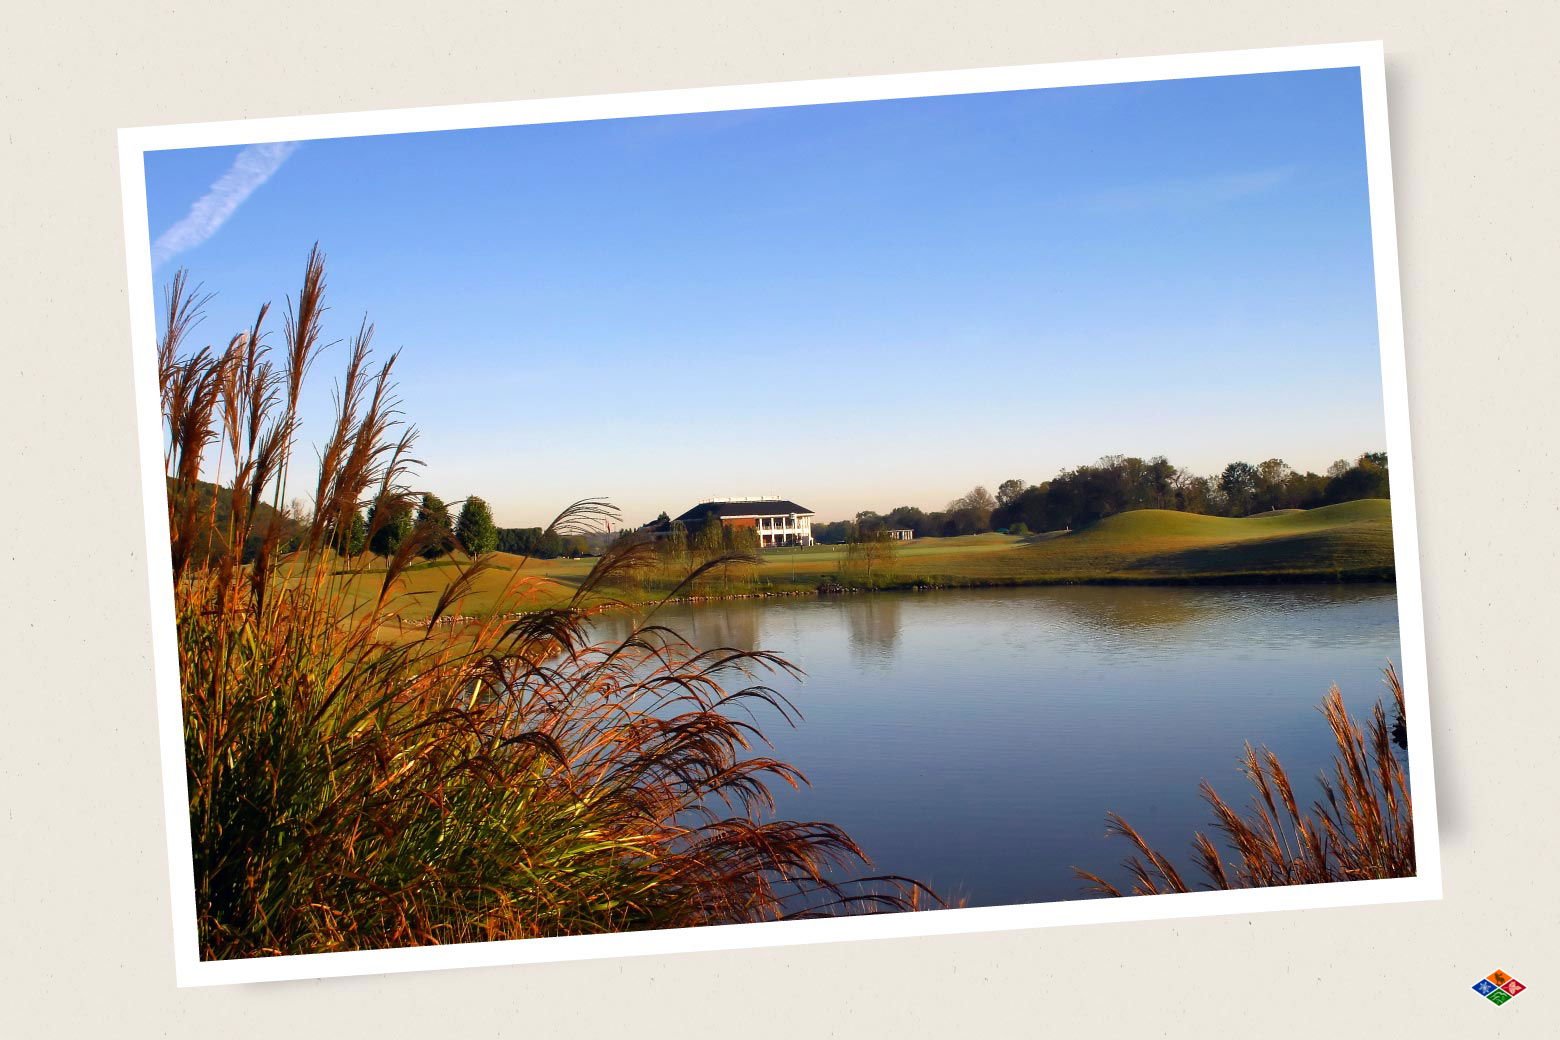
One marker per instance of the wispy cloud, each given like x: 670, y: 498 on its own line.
x: 1188, y: 192
x: 253, y: 167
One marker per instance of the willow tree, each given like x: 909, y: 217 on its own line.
x: 868, y: 553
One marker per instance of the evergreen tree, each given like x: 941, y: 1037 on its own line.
x: 392, y: 531
x: 433, y: 523
x: 357, y: 534
x: 348, y: 539
x: 475, y: 529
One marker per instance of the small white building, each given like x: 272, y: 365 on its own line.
x: 901, y: 534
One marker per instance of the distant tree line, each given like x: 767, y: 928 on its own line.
x: 1117, y: 483
x: 473, y: 531
x: 439, y: 534
x: 541, y: 543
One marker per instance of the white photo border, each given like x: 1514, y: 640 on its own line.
x: 1368, y: 57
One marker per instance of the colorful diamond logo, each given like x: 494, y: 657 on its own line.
x: 1497, y: 987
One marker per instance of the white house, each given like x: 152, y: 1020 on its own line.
x: 778, y: 521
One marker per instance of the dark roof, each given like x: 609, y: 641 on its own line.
x: 768, y: 507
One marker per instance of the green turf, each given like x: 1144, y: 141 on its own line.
x: 1352, y: 539
x: 1349, y: 541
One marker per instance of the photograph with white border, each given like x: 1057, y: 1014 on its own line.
x: 776, y: 514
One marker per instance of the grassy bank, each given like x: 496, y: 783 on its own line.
x: 1351, y: 541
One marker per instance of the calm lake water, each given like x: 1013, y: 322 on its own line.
x: 975, y: 739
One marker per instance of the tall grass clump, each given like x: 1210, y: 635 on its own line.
x: 358, y: 782
x: 1361, y: 828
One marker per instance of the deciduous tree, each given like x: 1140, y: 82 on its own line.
x: 1272, y: 484
x: 868, y: 553
x: 1009, y: 490
x: 1238, y: 482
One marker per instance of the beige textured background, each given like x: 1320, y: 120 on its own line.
x: 83, y: 895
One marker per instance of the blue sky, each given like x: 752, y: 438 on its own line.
x: 856, y: 306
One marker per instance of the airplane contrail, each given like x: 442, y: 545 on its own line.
x: 251, y: 168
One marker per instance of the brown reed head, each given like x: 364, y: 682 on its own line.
x: 1360, y: 828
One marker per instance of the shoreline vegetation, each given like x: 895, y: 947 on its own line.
x: 509, y: 780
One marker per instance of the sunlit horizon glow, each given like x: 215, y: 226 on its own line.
x: 854, y: 306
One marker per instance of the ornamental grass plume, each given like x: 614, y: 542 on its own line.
x: 358, y: 783
x: 1361, y: 828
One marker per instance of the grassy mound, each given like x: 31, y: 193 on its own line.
x: 1167, y: 523
x: 1348, y: 540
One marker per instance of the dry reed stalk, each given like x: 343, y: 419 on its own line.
x: 506, y: 779
x: 1361, y: 828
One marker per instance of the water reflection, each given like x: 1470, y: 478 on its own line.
x: 1115, y: 609
x: 1166, y: 612
x: 874, y: 623
x: 734, y: 623
x: 975, y: 739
